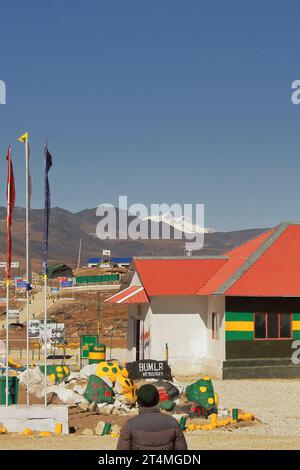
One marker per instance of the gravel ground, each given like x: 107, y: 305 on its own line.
x: 275, y: 403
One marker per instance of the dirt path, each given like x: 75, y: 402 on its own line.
x: 275, y: 403
x: 35, y: 308
x: 201, y: 441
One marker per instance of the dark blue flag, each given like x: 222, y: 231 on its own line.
x: 48, y: 164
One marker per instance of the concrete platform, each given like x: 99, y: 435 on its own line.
x: 260, y: 368
x: 36, y: 417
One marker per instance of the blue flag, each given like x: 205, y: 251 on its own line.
x: 48, y: 165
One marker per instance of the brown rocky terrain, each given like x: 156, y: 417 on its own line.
x: 67, y: 228
x: 80, y: 316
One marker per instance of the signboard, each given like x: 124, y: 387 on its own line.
x: 55, y: 332
x: 68, y: 283
x: 105, y: 258
x: 55, y: 290
x: 149, y: 369
x: 13, y: 314
x: 13, y: 264
x: 34, y: 329
x: 20, y: 283
x: 85, y: 342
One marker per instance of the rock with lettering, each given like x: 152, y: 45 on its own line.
x: 149, y: 369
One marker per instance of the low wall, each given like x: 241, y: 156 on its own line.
x: 36, y: 417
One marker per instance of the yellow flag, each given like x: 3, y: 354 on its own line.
x: 24, y: 137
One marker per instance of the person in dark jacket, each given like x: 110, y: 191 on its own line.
x: 151, y: 429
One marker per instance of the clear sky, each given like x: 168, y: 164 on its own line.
x: 163, y: 100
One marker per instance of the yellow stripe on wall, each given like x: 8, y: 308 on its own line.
x: 296, y: 325
x: 239, y: 326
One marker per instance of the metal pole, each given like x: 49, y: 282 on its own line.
x: 27, y: 265
x: 98, y: 310
x: 7, y: 338
x: 79, y: 255
x: 45, y: 337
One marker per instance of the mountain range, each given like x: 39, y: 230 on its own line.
x: 67, y: 228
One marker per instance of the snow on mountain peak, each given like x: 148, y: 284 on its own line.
x: 183, y: 224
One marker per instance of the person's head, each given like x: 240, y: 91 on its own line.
x: 147, y: 396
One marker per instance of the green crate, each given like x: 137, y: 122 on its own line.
x: 87, y: 341
x: 13, y: 390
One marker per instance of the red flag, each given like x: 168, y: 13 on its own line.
x: 10, y: 203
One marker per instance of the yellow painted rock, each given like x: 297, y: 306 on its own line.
x: 27, y: 432
x: 45, y: 434
x: 246, y: 417
x: 13, y: 363
x: 214, y: 419
x: 110, y: 370
x: 125, y: 389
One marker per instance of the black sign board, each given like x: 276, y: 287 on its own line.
x: 149, y: 369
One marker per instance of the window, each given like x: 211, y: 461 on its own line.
x: 215, y: 325
x: 272, y: 325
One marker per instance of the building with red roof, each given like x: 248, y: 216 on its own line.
x: 236, y: 315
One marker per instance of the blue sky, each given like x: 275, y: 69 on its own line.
x: 162, y: 100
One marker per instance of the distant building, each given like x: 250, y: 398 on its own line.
x: 120, y: 262
x: 94, y: 262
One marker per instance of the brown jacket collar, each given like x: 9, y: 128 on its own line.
x: 150, y: 409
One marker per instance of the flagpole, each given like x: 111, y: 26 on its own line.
x: 7, y: 339
x: 45, y: 255
x: 27, y: 265
x: 45, y: 276
x: 10, y: 202
x: 7, y: 279
x: 48, y: 164
x: 45, y: 337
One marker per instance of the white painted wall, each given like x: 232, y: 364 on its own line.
x: 213, y: 363
x: 180, y: 322
x: 185, y: 323
x: 135, y: 281
x: 141, y: 313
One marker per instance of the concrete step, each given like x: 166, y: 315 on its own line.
x: 257, y: 362
x: 262, y: 372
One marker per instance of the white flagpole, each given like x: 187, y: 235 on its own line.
x: 7, y: 285
x: 27, y: 264
x: 45, y: 337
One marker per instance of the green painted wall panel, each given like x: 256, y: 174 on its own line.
x: 239, y: 335
x: 296, y: 335
x: 296, y: 316
x: 238, y: 316
x: 97, y: 279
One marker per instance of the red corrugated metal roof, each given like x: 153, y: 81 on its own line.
x: 175, y: 276
x: 276, y: 272
x: 131, y: 295
x: 237, y: 257
x: 268, y: 265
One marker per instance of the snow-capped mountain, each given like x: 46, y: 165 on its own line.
x: 183, y: 224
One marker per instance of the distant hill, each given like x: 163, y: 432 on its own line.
x: 67, y: 228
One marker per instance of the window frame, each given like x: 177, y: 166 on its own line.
x: 215, y: 332
x: 266, y: 321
